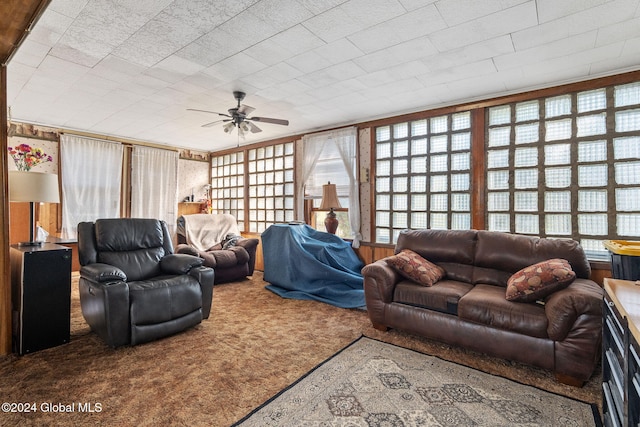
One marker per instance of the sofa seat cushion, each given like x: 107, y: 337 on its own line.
x: 442, y: 296
x: 486, y: 305
x: 163, y: 299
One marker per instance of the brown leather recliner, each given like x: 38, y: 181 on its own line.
x: 468, y: 307
x: 216, y: 239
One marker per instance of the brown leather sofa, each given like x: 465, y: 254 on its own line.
x: 468, y: 307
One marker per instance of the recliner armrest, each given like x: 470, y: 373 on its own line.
x: 101, y: 273
x: 179, y: 263
x: 205, y: 276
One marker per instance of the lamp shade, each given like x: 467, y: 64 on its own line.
x: 33, y: 187
x: 329, y: 197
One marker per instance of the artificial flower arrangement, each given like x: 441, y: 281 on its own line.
x: 25, y: 157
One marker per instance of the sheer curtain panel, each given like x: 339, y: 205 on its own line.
x: 154, y: 184
x: 91, y: 180
x: 331, y: 157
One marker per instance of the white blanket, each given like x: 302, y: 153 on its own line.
x: 203, y: 231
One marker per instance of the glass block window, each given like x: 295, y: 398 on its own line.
x: 270, y: 173
x: 227, y: 185
x: 567, y: 167
x: 423, y: 175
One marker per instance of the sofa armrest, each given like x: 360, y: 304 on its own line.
x: 205, y: 276
x: 564, y: 307
x: 102, y: 273
x: 380, y: 280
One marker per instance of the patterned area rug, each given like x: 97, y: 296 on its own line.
x: 371, y: 383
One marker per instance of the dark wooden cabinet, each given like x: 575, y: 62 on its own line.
x: 621, y: 353
x: 40, y: 296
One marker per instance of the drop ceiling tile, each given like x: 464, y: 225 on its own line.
x: 309, y: 62
x: 205, y: 81
x: 203, y: 16
x: 31, y: 53
x: 70, y: 8
x: 460, y: 72
x: 117, y: 69
x: 95, y: 85
x: 332, y: 25
x: 317, y: 7
x: 556, y: 49
x: 619, y: 31
x: 268, y: 52
x: 488, y: 27
x: 332, y: 74
x: 339, y: 51
x: 298, y: 39
x: 398, y: 54
x: 456, y: 12
x: 548, y: 10
x: 501, y: 45
x: 414, y: 24
x: 416, y: 4
x: 248, y: 29
x: 51, y: 26
x: 173, y: 69
x: 234, y: 67
x: 81, y: 50
x: 280, y: 14
x: 377, y: 11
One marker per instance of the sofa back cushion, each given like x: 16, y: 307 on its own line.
x: 499, y: 255
x: 453, y: 250
x: 489, y: 257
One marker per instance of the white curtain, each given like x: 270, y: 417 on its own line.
x: 345, y: 142
x: 154, y: 184
x: 91, y: 180
x: 312, y: 147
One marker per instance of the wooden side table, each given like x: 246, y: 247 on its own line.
x: 40, y: 296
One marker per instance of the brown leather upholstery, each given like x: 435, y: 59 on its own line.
x: 468, y: 307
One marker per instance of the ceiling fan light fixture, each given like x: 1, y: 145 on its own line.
x: 244, y: 126
x: 228, y: 127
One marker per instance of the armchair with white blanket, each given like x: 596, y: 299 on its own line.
x: 216, y: 238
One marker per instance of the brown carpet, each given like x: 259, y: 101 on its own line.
x: 253, y: 345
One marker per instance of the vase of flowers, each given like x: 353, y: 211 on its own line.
x: 25, y: 157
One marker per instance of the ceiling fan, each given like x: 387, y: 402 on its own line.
x: 238, y: 117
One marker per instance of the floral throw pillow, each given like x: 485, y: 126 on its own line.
x: 539, y: 280
x: 414, y: 267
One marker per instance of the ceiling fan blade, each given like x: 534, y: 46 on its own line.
x: 206, y: 111
x: 245, y: 109
x: 253, y: 128
x: 269, y: 120
x: 208, y: 125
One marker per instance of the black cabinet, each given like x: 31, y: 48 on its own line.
x: 41, y: 296
x: 620, y: 354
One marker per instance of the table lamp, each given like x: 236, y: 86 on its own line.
x: 330, y: 201
x: 33, y: 187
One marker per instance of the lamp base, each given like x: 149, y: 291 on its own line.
x: 30, y: 243
x: 331, y: 222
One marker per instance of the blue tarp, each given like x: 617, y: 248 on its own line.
x: 302, y: 263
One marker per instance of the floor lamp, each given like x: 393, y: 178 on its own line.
x: 330, y: 201
x: 33, y: 187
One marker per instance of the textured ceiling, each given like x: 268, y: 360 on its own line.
x: 131, y: 68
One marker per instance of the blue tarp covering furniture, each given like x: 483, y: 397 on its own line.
x: 302, y: 263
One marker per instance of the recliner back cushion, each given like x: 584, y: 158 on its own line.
x: 128, y: 234
x: 134, y: 245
